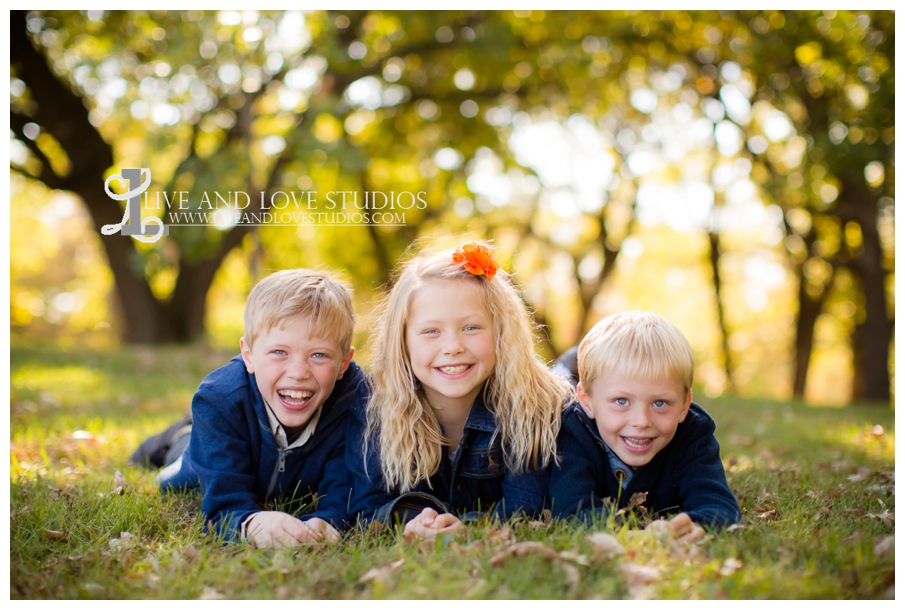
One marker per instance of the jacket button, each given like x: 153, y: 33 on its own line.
x: 493, y: 468
x: 620, y: 474
x: 461, y: 487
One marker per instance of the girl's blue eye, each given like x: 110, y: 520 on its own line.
x: 472, y: 327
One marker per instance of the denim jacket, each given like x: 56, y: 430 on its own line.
x: 685, y: 476
x: 475, y: 482
x: 236, y: 459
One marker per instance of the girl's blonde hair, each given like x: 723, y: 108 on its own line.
x: 525, y: 396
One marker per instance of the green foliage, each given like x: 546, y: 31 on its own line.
x: 816, y: 487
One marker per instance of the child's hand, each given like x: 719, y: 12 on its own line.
x: 687, y: 531
x: 275, y: 529
x: 321, y: 531
x: 429, y: 524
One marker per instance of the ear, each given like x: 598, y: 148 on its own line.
x: 345, y: 363
x: 685, y: 408
x: 246, y: 355
x: 584, y: 400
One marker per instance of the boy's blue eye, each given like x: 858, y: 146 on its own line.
x: 621, y: 401
x: 278, y: 352
x: 319, y: 355
x: 660, y: 403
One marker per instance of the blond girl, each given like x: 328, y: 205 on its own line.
x: 463, y: 415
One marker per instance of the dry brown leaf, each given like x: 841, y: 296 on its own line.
x: 381, y: 573
x: 885, y: 545
x: 730, y: 566
x: 573, y: 577
x: 884, y: 516
x: 55, y: 535
x: 605, y: 545
x: 861, y: 474
x: 639, y: 578
x: 523, y: 548
x: 503, y: 534
x: 121, y: 486
x: 575, y: 557
x: 211, y: 593
x: 635, y: 501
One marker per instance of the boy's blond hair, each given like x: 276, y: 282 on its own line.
x: 524, y: 395
x: 639, y: 344
x: 325, y: 301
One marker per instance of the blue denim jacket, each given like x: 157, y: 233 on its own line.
x: 477, y: 481
x: 686, y: 475
x: 235, y: 458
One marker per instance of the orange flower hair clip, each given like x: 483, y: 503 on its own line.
x: 476, y: 259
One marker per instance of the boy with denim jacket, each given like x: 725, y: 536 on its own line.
x: 272, y: 422
x: 636, y: 430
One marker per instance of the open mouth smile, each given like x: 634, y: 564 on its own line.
x: 295, y: 399
x: 454, y: 370
x: 634, y: 443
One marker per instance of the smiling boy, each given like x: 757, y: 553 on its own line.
x: 271, y: 423
x: 637, y: 430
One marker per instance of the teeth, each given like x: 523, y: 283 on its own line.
x: 303, y: 396
x: 453, y: 370
x: 637, y: 442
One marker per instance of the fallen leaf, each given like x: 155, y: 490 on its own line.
x: 573, y: 577
x: 884, y: 516
x: 575, y: 557
x: 638, y: 578
x: 523, y: 548
x: 635, y: 501
x: 55, y: 535
x: 211, y: 593
x: 769, y: 515
x: 605, y: 545
x: 381, y: 573
x: 885, y: 545
x: 730, y: 566
x: 861, y: 474
x: 121, y: 486
x: 503, y: 534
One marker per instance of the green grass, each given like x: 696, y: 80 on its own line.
x: 816, y: 486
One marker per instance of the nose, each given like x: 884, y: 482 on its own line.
x: 298, y: 368
x: 453, y: 344
x: 641, y: 417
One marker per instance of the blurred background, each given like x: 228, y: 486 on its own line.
x: 731, y: 170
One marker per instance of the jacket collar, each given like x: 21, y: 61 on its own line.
x: 480, y: 418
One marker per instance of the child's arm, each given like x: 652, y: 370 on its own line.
x: 220, y: 454
x: 333, y: 490
x: 704, y: 493
x: 524, y: 494
x: 574, y: 481
x: 370, y: 500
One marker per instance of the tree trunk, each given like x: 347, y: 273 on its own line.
x: 61, y: 113
x: 720, y: 313
x: 808, y: 311
x: 857, y: 203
